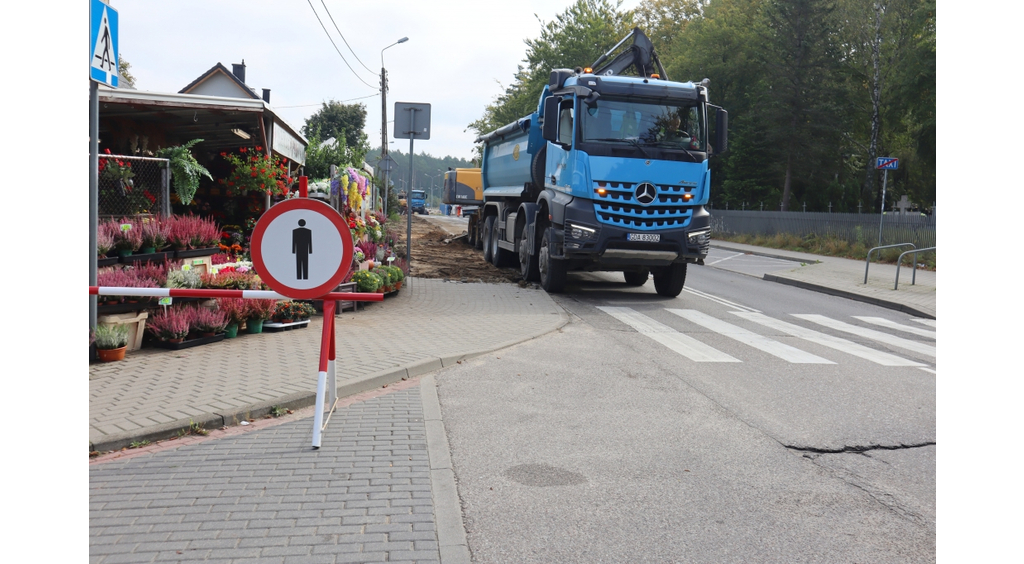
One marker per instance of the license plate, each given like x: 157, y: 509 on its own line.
x: 646, y: 237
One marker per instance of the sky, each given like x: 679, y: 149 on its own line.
x: 459, y: 56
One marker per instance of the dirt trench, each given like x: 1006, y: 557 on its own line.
x: 437, y: 253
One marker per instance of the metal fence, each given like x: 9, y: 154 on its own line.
x: 132, y: 186
x: 852, y: 227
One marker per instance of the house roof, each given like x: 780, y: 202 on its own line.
x: 216, y: 70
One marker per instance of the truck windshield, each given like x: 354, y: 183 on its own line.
x: 418, y: 194
x: 657, y: 124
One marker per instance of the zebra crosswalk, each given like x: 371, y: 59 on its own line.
x: 689, y: 339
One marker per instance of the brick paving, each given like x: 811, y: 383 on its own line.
x: 265, y: 496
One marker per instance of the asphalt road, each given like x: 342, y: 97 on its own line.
x: 742, y: 421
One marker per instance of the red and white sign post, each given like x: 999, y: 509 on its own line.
x: 302, y: 248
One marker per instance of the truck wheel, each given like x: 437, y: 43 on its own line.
x: 637, y: 278
x: 471, y: 233
x: 499, y: 257
x: 478, y: 233
x: 528, y: 266
x: 669, y: 280
x: 552, y: 271
x: 486, y: 235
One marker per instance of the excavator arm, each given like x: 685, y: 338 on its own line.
x: 640, y: 55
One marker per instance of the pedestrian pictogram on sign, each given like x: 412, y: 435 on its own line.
x: 302, y: 248
x: 103, y: 43
x: 887, y: 163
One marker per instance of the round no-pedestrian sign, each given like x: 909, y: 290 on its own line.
x: 302, y: 248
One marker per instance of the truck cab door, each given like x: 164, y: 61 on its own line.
x: 559, y: 171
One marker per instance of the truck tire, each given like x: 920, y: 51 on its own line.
x: 669, y: 280
x: 528, y: 266
x: 499, y: 257
x: 552, y: 271
x: 471, y: 233
x: 637, y: 278
x: 486, y: 236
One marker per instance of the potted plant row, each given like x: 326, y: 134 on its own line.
x: 186, y: 326
x: 290, y: 314
x: 154, y: 239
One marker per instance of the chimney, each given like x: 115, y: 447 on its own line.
x: 266, y: 95
x: 239, y: 70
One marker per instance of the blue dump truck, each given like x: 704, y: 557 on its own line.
x: 418, y: 202
x: 610, y: 173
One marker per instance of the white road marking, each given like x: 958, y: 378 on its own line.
x: 927, y: 370
x: 725, y: 259
x: 675, y: 341
x: 849, y: 347
x: 716, y: 299
x: 899, y: 327
x: 760, y: 342
x: 928, y: 322
x: 879, y: 336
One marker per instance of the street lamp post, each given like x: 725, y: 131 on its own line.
x: 384, y: 116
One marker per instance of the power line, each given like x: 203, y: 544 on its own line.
x: 336, y: 46
x: 341, y: 102
x: 345, y: 40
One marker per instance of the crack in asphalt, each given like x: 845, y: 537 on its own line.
x: 857, y: 449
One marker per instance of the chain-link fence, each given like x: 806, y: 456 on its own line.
x: 852, y: 227
x: 132, y: 186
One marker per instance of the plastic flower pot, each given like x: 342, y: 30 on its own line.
x: 231, y: 331
x: 110, y: 355
x: 253, y: 326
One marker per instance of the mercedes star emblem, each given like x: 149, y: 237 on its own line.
x: 645, y: 193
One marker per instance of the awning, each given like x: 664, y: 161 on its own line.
x: 159, y: 119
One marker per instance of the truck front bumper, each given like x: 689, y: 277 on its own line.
x: 594, y: 246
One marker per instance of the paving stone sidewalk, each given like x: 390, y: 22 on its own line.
x: 429, y: 324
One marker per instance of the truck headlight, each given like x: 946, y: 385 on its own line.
x: 699, y: 237
x: 579, y: 232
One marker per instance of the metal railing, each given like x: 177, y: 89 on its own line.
x: 911, y: 245
x: 899, y: 261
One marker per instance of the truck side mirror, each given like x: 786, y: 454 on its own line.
x: 721, y: 131
x: 550, y: 130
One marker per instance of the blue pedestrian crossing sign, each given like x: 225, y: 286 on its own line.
x: 887, y: 163
x: 103, y: 43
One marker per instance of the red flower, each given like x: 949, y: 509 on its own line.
x: 254, y: 174
x: 150, y: 197
x: 258, y: 148
x: 107, y: 151
x: 241, y: 149
x: 223, y: 154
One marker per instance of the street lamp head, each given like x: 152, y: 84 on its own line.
x: 403, y: 40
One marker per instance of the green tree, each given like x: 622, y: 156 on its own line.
x: 123, y: 69
x: 321, y: 154
x: 341, y: 121
x: 575, y: 38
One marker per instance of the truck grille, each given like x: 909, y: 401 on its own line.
x: 618, y: 206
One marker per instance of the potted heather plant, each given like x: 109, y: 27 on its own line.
x: 258, y: 311
x: 127, y: 239
x: 235, y: 310
x: 207, y: 322
x: 111, y: 342
x: 154, y: 235
x: 169, y: 325
x: 192, y: 236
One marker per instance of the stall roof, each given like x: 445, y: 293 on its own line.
x: 167, y: 119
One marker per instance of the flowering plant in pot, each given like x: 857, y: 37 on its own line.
x: 154, y: 235
x: 192, y: 232
x: 104, y: 242
x: 205, y: 321
x: 111, y: 342
x: 258, y: 311
x: 366, y: 281
x: 253, y: 171
x: 385, y: 278
x: 127, y: 239
x: 170, y: 324
x: 235, y: 310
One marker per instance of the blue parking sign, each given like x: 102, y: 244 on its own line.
x: 103, y: 43
x: 887, y: 163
